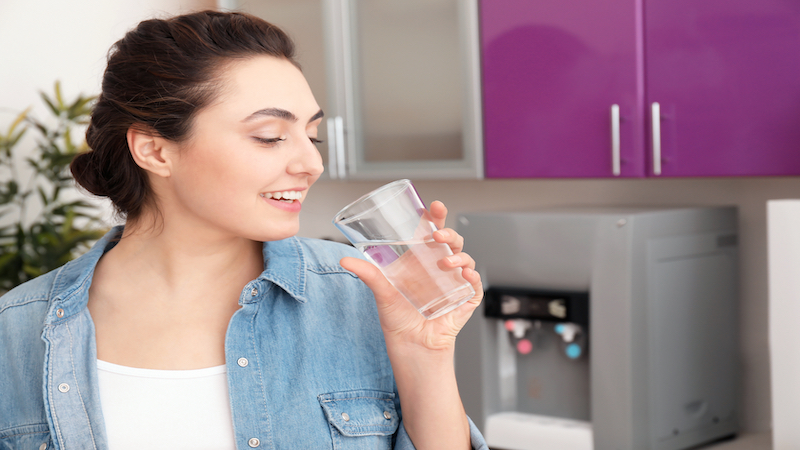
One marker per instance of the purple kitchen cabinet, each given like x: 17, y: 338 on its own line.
x: 551, y: 72
x: 725, y: 75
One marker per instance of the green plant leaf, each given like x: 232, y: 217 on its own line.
x: 80, y: 108
x: 20, y: 119
x: 43, y: 196
x: 50, y: 104
x: 13, y: 140
x: 59, y: 97
x: 37, y: 245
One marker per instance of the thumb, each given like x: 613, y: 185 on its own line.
x: 368, y: 273
x: 392, y: 306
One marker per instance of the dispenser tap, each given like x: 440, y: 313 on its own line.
x: 568, y: 331
x: 519, y: 328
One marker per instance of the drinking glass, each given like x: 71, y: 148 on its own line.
x: 392, y: 227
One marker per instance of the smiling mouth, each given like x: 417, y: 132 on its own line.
x: 284, y: 196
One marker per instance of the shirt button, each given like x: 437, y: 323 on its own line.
x: 254, y: 442
x: 59, y: 313
x: 386, y: 415
x: 254, y: 292
x: 346, y: 417
x: 243, y: 362
x: 63, y: 387
x: 43, y: 446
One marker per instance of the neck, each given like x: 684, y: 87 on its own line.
x: 162, y: 298
x: 179, y: 258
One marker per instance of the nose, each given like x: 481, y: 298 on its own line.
x: 307, y: 159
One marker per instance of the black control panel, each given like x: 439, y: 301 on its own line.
x: 532, y: 304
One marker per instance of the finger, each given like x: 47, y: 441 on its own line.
x: 448, y: 236
x: 438, y: 213
x: 465, y: 311
x: 474, y: 278
x: 460, y: 259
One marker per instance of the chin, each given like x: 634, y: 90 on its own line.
x: 276, y: 235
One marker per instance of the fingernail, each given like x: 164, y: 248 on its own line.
x: 455, y: 259
x: 444, y: 233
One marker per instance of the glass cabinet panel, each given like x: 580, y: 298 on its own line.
x: 410, y: 81
x: 403, y: 76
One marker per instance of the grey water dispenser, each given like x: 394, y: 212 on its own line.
x: 606, y: 329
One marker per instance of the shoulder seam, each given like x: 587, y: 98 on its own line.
x: 23, y: 303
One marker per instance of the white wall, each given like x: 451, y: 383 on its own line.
x: 46, y: 40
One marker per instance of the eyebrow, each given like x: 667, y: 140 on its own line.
x: 281, y: 114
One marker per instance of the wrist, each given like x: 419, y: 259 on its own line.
x: 439, y: 354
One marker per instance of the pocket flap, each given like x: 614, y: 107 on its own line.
x: 361, y: 412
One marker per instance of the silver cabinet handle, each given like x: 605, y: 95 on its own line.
x: 340, y: 149
x: 332, y: 165
x: 615, y: 158
x: 655, y: 117
x: 336, y: 150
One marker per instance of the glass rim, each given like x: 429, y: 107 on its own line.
x: 338, y: 217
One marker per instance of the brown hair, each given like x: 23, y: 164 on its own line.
x: 158, y: 77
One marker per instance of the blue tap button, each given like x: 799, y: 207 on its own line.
x: 573, y: 351
x: 559, y: 328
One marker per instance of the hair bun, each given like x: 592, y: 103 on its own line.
x: 86, y: 174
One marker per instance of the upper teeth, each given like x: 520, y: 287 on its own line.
x: 285, y: 195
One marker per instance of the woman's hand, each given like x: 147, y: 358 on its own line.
x: 402, y: 324
x: 421, y: 351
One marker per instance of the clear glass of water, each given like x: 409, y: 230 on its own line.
x: 392, y: 227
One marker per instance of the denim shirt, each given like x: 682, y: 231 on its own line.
x: 306, y: 359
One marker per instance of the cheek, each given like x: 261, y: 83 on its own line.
x: 209, y: 179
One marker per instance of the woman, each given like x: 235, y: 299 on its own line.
x: 203, y: 323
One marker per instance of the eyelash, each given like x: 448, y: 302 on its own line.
x: 271, y: 141
x: 268, y: 140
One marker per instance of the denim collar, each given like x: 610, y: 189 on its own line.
x: 284, y: 262
x: 74, y: 278
x: 285, y: 266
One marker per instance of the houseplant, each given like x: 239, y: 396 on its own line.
x: 41, y: 228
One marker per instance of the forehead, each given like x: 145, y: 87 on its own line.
x: 265, y: 81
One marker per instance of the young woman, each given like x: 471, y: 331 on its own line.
x: 203, y: 323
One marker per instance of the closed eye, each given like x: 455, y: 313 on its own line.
x: 316, y: 141
x: 268, y: 141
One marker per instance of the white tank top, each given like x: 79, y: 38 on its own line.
x: 165, y: 409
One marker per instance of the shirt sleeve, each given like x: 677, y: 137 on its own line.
x: 403, y: 441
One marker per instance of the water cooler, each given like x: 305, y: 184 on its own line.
x: 607, y: 329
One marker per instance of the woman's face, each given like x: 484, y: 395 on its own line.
x: 251, y: 156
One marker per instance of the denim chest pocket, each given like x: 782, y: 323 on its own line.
x: 361, y: 419
x: 36, y: 437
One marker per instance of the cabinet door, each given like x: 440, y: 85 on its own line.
x: 726, y: 76
x: 552, y: 69
x: 404, y: 79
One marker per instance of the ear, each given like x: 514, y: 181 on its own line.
x: 150, y: 152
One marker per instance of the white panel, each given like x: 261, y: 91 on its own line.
x: 783, y: 236
x: 533, y: 432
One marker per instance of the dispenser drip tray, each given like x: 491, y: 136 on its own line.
x: 519, y: 431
